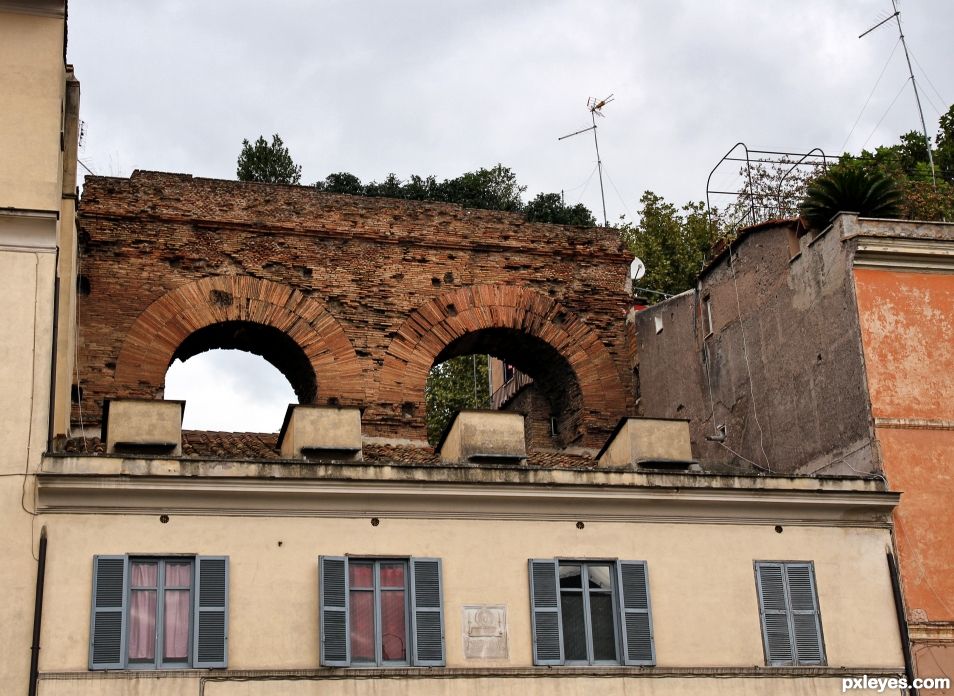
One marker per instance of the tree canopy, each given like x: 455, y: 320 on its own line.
x: 269, y: 163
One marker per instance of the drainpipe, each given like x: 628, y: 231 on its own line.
x: 902, y: 624
x: 55, y: 332
x: 37, y: 615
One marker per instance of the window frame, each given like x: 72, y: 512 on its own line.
x: 376, y: 591
x: 790, y: 612
x: 426, y: 644
x: 158, y: 661
x: 632, y: 613
x: 586, y: 591
x: 111, y: 606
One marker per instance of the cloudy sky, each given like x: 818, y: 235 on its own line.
x: 427, y: 87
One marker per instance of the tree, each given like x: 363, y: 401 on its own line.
x: 944, y: 157
x: 549, y: 207
x: 850, y: 187
x: 267, y: 163
x: 490, y: 189
x: 453, y: 385
x: 672, y: 242
x: 341, y: 182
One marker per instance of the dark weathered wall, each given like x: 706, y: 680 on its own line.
x: 371, y: 291
x: 786, y: 370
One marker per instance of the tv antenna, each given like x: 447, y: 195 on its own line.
x: 596, y: 109
x: 914, y: 84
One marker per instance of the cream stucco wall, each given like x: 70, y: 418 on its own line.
x: 32, y: 83
x: 25, y: 337
x: 703, y: 592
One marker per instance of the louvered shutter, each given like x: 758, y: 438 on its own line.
x: 806, y: 621
x: 773, y: 608
x: 210, y: 623
x: 427, y: 612
x: 333, y: 600
x: 637, y: 620
x: 108, y: 615
x: 545, y: 612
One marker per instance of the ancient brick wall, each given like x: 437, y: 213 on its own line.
x: 353, y: 298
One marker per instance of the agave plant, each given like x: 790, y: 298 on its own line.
x: 850, y: 189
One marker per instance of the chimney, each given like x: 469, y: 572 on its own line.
x: 651, y: 443
x: 484, y: 437
x: 143, y: 426
x: 321, y: 432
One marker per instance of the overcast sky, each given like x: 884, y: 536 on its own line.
x: 441, y: 88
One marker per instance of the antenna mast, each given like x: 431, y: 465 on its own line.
x: 595, y: 107
x: 914, y: 84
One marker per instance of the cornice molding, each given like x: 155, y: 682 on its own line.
x: 40, y: 8
x: 903, y: 253
x: 85, y: 494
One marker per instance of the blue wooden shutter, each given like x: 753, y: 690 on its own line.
x: 806, y: 622
x: 107, y: 634
x: 427, y: 612
x: 545, y: 614
x: 333, y: 605
x: 635, y: 613
x: 773, y: 608
x: 210, y: 622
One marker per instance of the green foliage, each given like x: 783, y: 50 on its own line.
x: 549, y: 207
x: 341, y: 182
x: 490, y: 189
x: 672, y: 242
x: 267, y: 163
x: 453, y: 385
x: 944, y: 154
x: 850, y: 187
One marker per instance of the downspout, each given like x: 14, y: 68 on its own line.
x: 902, y: 624
x: 37, y: 615
x: 55, y: 332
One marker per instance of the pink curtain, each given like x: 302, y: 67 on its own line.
x: 142, y: 612
x: 362, y: 626
x: 393, y: 631
x: 176, y: 618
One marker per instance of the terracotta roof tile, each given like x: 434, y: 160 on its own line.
x: 210, y: 444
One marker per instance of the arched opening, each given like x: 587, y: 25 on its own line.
x: 239, y: 376
x: 552, y: 402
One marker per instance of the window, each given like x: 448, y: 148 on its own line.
x: 381, y: 612
x: 788, y: 606
x: 591, y: 612
x: 159, y: 613
x: 707, y: 325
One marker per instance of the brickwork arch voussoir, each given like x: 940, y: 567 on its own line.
x: 154, y: 337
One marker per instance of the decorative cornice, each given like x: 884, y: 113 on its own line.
x: 914, y: 423
x: 406, y: 492
x: 41, y: 8
x: 902, y: 253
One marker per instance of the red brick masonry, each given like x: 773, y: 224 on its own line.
x: 372, y: 293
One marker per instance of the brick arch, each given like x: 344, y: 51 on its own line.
x: 438, y: 323
x: 156, y: 335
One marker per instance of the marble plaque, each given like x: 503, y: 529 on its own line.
x: 485, y: 632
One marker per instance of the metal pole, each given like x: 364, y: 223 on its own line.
x: 599, y: 167
x: 917, y: 97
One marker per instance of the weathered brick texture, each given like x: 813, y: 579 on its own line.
x: 372, y: 293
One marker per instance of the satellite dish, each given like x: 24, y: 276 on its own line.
x: 637, y: 269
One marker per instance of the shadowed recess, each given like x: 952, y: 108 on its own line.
x: 265, y: 341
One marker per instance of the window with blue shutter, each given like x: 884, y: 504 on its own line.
x: 381, y: 612
x: 159, y: 613
x: 788, y: 607
x: 590, y: 612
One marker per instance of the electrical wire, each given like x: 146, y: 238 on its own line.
x: 887, y: 111
x: 870, y: 95
x: 927, y: 77
x: 745, y: 353
x: 618, y: 194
